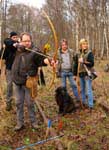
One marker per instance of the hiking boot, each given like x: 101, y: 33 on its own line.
x: 19, y: 127
x: 8, y: 106
x: 34, y: 125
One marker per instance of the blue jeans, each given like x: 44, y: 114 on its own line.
x: 86, y: 89
x: 69, y: 75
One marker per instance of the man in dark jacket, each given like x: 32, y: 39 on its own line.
x: 25, y: 70
x: 8, y: 56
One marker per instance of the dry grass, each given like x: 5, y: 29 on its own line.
x: 82, y: 130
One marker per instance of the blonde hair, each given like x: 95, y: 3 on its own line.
x: 82, y: 41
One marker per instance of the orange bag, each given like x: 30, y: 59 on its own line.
x: 31, y: 83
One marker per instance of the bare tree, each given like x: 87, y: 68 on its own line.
x: 73, y: 19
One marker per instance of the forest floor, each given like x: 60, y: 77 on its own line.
x: 82, y: 130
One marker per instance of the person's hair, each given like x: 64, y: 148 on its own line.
x: 25, y: 33
x: 63, y: 41
x: 82, y: 41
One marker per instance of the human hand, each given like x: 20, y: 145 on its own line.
x: 81, y: 60
x: 53, y: 63
x: 15, y: 44
x: 74, y: 77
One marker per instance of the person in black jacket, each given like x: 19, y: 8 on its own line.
x: 8, y: 56
x: 25, y: 72
x: 84, y: 62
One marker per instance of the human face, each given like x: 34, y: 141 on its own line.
x: 26, y: 41
x: 64, y: 46
x: 84, y: 46
x: 14, y: 38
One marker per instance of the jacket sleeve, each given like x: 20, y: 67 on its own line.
x: 39, y: 60
x: 90, y: 59
x: 9, y: 44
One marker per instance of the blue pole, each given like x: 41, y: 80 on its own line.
x: 39, y: 142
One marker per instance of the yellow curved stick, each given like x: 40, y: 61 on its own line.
x: 56, y: 44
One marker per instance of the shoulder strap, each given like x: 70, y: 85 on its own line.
x: 89, y: 51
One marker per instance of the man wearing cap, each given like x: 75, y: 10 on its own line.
x: 8, y: 56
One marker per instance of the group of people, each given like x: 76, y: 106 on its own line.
x: 22, y: 64
x: 74, y: 65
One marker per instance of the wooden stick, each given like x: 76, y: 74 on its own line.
x: 78, y: 85
x: 52, y: 131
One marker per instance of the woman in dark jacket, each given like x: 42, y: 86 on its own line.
x: 83, y: 64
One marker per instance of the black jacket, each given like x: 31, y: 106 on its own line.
x: 9, y: 53
x: 88, y: 57
x: 26, y: 64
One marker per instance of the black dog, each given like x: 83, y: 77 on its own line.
x: 64, y: 101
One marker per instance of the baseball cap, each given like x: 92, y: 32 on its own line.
x: 13, y: 33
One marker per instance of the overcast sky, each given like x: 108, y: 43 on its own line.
x: 35, y: 3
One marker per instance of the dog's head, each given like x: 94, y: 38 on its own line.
x: 60, y: 94
x: 63, y: 99
x: 61, y: 91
